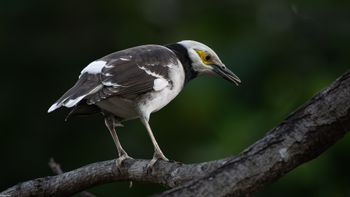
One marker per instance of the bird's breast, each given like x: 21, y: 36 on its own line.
x: 156, y: 100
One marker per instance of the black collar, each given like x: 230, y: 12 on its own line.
x: 182, y: 54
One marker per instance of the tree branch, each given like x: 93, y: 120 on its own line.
x: 56, y: 169
x: 168, y: 174
x: 302, y: 136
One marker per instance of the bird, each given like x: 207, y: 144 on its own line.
x: 134, y: 83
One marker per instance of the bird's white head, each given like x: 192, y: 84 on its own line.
x: 205, y: 60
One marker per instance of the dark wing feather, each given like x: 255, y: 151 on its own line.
x: 125, y: 72
x: 83, y: 87
x: 131, y: 79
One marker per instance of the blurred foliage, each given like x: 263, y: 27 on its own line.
x: 284, y: 52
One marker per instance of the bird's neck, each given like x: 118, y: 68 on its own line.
x: 182, y: 54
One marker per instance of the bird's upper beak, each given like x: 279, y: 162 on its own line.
x: 225, y: 73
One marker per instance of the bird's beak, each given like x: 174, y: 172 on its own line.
x: 225, y: 73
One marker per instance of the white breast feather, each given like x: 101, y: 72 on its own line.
x: 157, y: 100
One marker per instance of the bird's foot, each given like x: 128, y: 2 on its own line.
x: 121, y: 158
x: 156, y: 157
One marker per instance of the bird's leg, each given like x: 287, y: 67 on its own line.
x: 122, y: 155
x: 158, y: 154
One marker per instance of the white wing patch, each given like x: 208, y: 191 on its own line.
x: 150, y: 72
x: 126, y: 58
x: 72, y: 102
x: 107, y: 74
x: 160, y: 84
x: 109, y: 83
x: 94, y: 67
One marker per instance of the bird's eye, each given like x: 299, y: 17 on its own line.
x: 207, y: 57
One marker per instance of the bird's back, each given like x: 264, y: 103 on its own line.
x: 127, y: 76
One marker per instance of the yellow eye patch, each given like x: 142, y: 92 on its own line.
x: 206, y: 59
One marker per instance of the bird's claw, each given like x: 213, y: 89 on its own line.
x: 120, y: 160
x: 155, y: 158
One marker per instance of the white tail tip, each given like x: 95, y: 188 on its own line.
x: 53, y: 107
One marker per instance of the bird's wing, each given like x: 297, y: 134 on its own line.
x: 128, y: 74
x: 135, y: 71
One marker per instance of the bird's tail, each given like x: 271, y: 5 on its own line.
x: 78, y: 92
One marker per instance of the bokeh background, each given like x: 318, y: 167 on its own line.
x: 284, y: 52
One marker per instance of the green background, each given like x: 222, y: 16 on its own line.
x: 283, y: 51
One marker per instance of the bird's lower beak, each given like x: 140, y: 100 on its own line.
x: 227, y: 74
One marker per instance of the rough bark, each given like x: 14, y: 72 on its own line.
x: 168, y: 174
x: 302, y: 136
x: 56, y: 169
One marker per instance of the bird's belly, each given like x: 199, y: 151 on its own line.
x: 120, y: 107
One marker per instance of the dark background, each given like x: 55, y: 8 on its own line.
x: 284, y: 52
